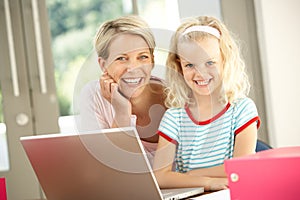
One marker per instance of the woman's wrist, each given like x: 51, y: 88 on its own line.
x: 122, y: 118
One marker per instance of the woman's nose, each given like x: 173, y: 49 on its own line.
x: 133, y: 64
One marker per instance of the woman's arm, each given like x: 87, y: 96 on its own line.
x: 122, y: 106
x: 91, y: 117
x: 163, y: 162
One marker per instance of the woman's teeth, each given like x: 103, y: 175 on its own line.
x: 132, y: 80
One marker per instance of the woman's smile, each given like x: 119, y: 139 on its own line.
x: 132, y: 81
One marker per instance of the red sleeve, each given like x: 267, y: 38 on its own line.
x: 255, y: 119
x: 167, y: 137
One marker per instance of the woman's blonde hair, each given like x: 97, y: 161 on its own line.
x: 123, y: 25
x: 235, y: 82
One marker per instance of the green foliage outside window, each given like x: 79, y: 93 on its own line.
x: 73, y: 25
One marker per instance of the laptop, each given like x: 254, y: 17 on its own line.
x: 104, y: 164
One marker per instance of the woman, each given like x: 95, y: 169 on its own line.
x: 126, y: 94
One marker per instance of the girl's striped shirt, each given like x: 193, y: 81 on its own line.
x: 206, y: 143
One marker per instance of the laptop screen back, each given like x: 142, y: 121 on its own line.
x: 80, y: 166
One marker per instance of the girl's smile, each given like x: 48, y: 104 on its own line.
x: 201, y: 70
x: 202, y: 82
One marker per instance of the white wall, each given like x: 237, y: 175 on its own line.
x: 278, y: 24
x: 189, y: 8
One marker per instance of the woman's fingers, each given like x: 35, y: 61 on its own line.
x: 105, y: 84
x: 110, y: 91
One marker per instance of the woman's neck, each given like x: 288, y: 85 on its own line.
x: 141, y: 103
x: 149, y: 109
x: 151, y: 95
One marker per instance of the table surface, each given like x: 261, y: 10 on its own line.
x: 218, y: 195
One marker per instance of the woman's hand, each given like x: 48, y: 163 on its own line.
x: 106, y: 82
x: 121, y: 105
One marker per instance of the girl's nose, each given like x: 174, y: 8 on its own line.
x: 200, y: 68
x: 201, y: 71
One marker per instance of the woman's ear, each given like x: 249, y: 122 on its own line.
x: 153, y: 62
x: 101, y: 62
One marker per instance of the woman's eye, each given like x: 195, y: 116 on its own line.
x: 144, y: 57
x: 189, y: 65
x: 121, y: 58
x: 210, y: 63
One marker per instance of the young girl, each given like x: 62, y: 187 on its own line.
x: 209, y: 119
x: 126, y: 94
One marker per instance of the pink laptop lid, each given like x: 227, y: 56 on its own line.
x: 268, y: 175
x: 2, y: 189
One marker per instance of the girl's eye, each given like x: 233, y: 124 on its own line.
x: 210, y: 63
x: 189, y: 65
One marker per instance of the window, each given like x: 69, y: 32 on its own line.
x: 4, y: 162
x: 73, y: 26
x: 163, y: 17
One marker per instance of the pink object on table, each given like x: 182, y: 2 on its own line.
x: 272, y: 174
x: 2, y: 189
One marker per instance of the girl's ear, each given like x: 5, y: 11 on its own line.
x: 101, y: 62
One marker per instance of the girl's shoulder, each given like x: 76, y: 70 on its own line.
x: 243, y: 104
x: 176, y: 111
x: 243, y: 101
x: 174, y: 114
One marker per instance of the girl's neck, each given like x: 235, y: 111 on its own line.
x: 206, y: 107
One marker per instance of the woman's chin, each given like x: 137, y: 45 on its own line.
x: 132, y: 90
x: 131, y: 93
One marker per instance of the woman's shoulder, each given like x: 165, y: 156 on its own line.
x: 157, y: 80
x: 157, y: 86
x: 91, y: 86
x: 90, y: 91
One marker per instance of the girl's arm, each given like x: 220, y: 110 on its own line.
x: 217, y: 171
x: 245, y: 143
x: 163, y: 161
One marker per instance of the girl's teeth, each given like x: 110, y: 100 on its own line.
x: 202, y: 82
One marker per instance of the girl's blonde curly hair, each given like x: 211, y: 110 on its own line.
x: 235, y: 82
